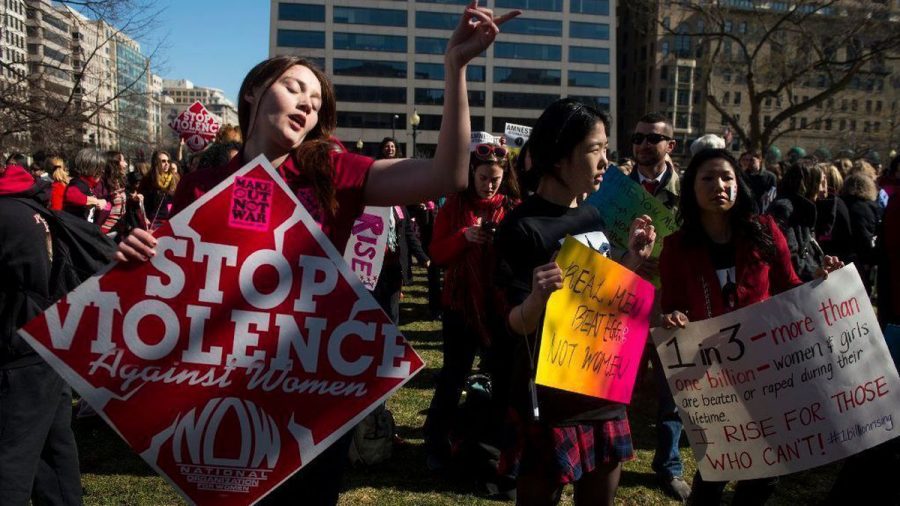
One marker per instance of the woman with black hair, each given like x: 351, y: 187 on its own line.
x: 725, y: 256
x: 574, y: 438
x: 463, y: 243
x: 795, y: 212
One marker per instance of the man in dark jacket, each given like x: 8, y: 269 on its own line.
x: 38, y: 456
x: 652, y: 141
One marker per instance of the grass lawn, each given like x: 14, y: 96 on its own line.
x: 114, y: 475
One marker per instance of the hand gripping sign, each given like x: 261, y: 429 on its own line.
x: 620, y: 200
x: 791, y: 383
x: 196, y: 125
x: 235, y: 356
x: 368, y: 241
x: 595, y: 327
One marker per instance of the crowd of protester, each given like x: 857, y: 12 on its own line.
x: 492, y: 223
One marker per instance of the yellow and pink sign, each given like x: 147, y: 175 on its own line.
x: 595, y: 326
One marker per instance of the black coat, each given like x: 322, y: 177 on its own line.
x: 796, y: 216
x: 43, y: 256
x: 833, y: 228
x: 865, y: 215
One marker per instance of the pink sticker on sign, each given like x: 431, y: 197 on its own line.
x: 251, y: 204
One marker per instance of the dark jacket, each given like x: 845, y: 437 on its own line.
x: 865, y: 216
x: 796, y: 216
x: 833, y: 228
x: 669, y: 190
x: 43, y: 256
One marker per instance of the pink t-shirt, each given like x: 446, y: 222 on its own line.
x: 350, y: 173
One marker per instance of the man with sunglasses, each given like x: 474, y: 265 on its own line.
x: 652, y: 141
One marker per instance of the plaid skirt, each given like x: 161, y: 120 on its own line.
x: 566, y: 453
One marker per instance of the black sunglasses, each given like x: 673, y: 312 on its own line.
x: 638, y: 138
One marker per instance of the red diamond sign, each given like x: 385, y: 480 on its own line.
x: 235, y: 356
x: 196, y: 125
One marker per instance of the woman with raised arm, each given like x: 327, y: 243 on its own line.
x: 287, y: 112
x: 574, y: 438
x: 725, y: 256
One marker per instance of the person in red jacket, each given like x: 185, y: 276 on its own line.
x: 462, y: 243
x: 725, y: 256
x: 60, y: 175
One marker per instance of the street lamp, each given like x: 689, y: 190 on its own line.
x: 394, y: 119
x: 414, y: 121
x: 359, y: 145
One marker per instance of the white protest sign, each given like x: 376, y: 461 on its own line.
x: 516, y: 135
x: 791, y: 383
x: 365, y: 248
x: 481, y: 138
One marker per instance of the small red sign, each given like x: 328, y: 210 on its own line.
x: 235, y: 356
x: 196, y: 125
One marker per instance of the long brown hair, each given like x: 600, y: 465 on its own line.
x: 313, y: 156
x: 112, y: 177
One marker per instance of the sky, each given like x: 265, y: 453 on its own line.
x: 212, y: 43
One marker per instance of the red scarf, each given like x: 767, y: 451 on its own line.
x: 469, y: 280
x: 15, y: 180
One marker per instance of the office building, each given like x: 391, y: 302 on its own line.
x: 386, y: 61
x: 662, y: 69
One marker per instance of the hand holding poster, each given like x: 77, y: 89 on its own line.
x: 620, y: 200
x: 595, y: 327
x: 791, y: 383
x: 368, y: 239
x: 238, y: 353
x: 516, y: 136
x: 196, y: 125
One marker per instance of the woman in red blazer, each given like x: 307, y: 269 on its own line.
x: 725, y: 256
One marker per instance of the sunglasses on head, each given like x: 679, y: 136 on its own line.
x: 638, y: 138
x: 489, y: 151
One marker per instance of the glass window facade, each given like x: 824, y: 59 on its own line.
x: 435, y: 96
x: 598, y: 31
x: 301, y: 38
x: 439, y: 20
x: 364, y: 16
x: 534, y: 5
x: 369, y: 68
x: 589, y: 79
x: 499, y: 123
x: 527, y: 76
x: 367, y: 42
x: 433, y: 122
x: 375, y: 94
x: 527, y: 26
x: 600, y: 7
x: 519, y: 50
x: 598, y: 102
x: 369, y: 120
x: 518, y: 100
x: 435, y: 71
x: 301, y: 12
x: 589, y: 54
x: 430, y: 45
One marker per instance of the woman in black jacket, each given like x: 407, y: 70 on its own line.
x: 833, y: 227
x: 860, y: 194
x: 795, y: 212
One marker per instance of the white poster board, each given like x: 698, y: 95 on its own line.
x: 800, y: 380
x: 366, y: 247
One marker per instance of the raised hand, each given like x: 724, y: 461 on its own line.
x: 641, y: 237
x: 475, y: 33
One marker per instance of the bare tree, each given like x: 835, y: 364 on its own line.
x: 60, y: 97
x: 798, y: 57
